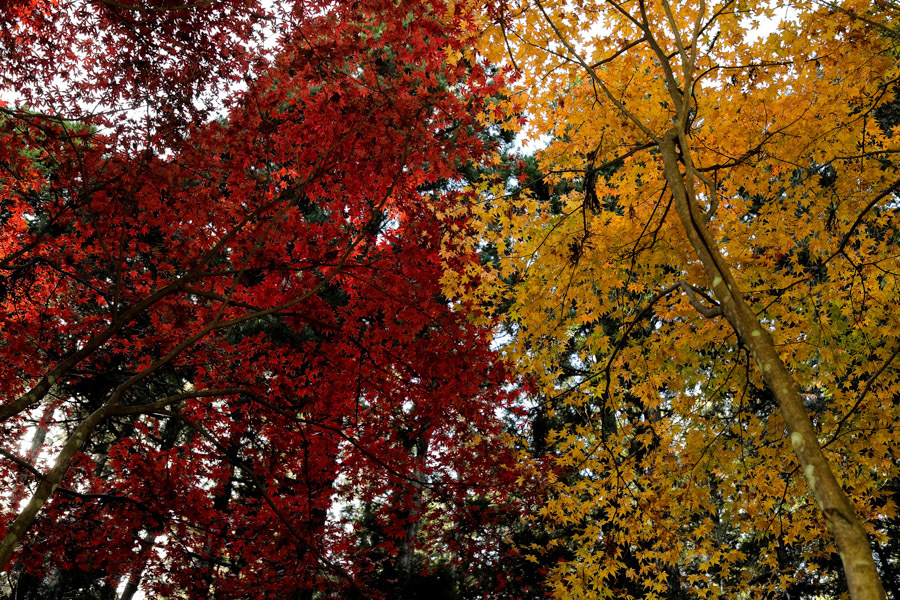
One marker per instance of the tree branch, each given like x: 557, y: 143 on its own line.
x: 710, y: 312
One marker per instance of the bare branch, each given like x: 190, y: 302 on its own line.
x: 710, y: 312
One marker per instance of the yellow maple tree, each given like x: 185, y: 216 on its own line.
x: 717, y: 293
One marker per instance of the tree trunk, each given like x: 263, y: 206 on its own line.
x: 37, y: 442
x: 406, y: 557
x: 47, y: 486
x: 840, y: 514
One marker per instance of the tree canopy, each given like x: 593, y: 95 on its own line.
x: 218, y: 331
x: 716, y: 294
x: 390, y: 299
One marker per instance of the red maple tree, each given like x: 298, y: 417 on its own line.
x: 216, y: 331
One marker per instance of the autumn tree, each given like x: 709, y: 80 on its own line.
x: 735, y: 212
x: 221, y: 302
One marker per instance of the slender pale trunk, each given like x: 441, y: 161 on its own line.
x: 840, y: 514
x: 406, y: 558
x: 131, y: 588
x: 37, y: 442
